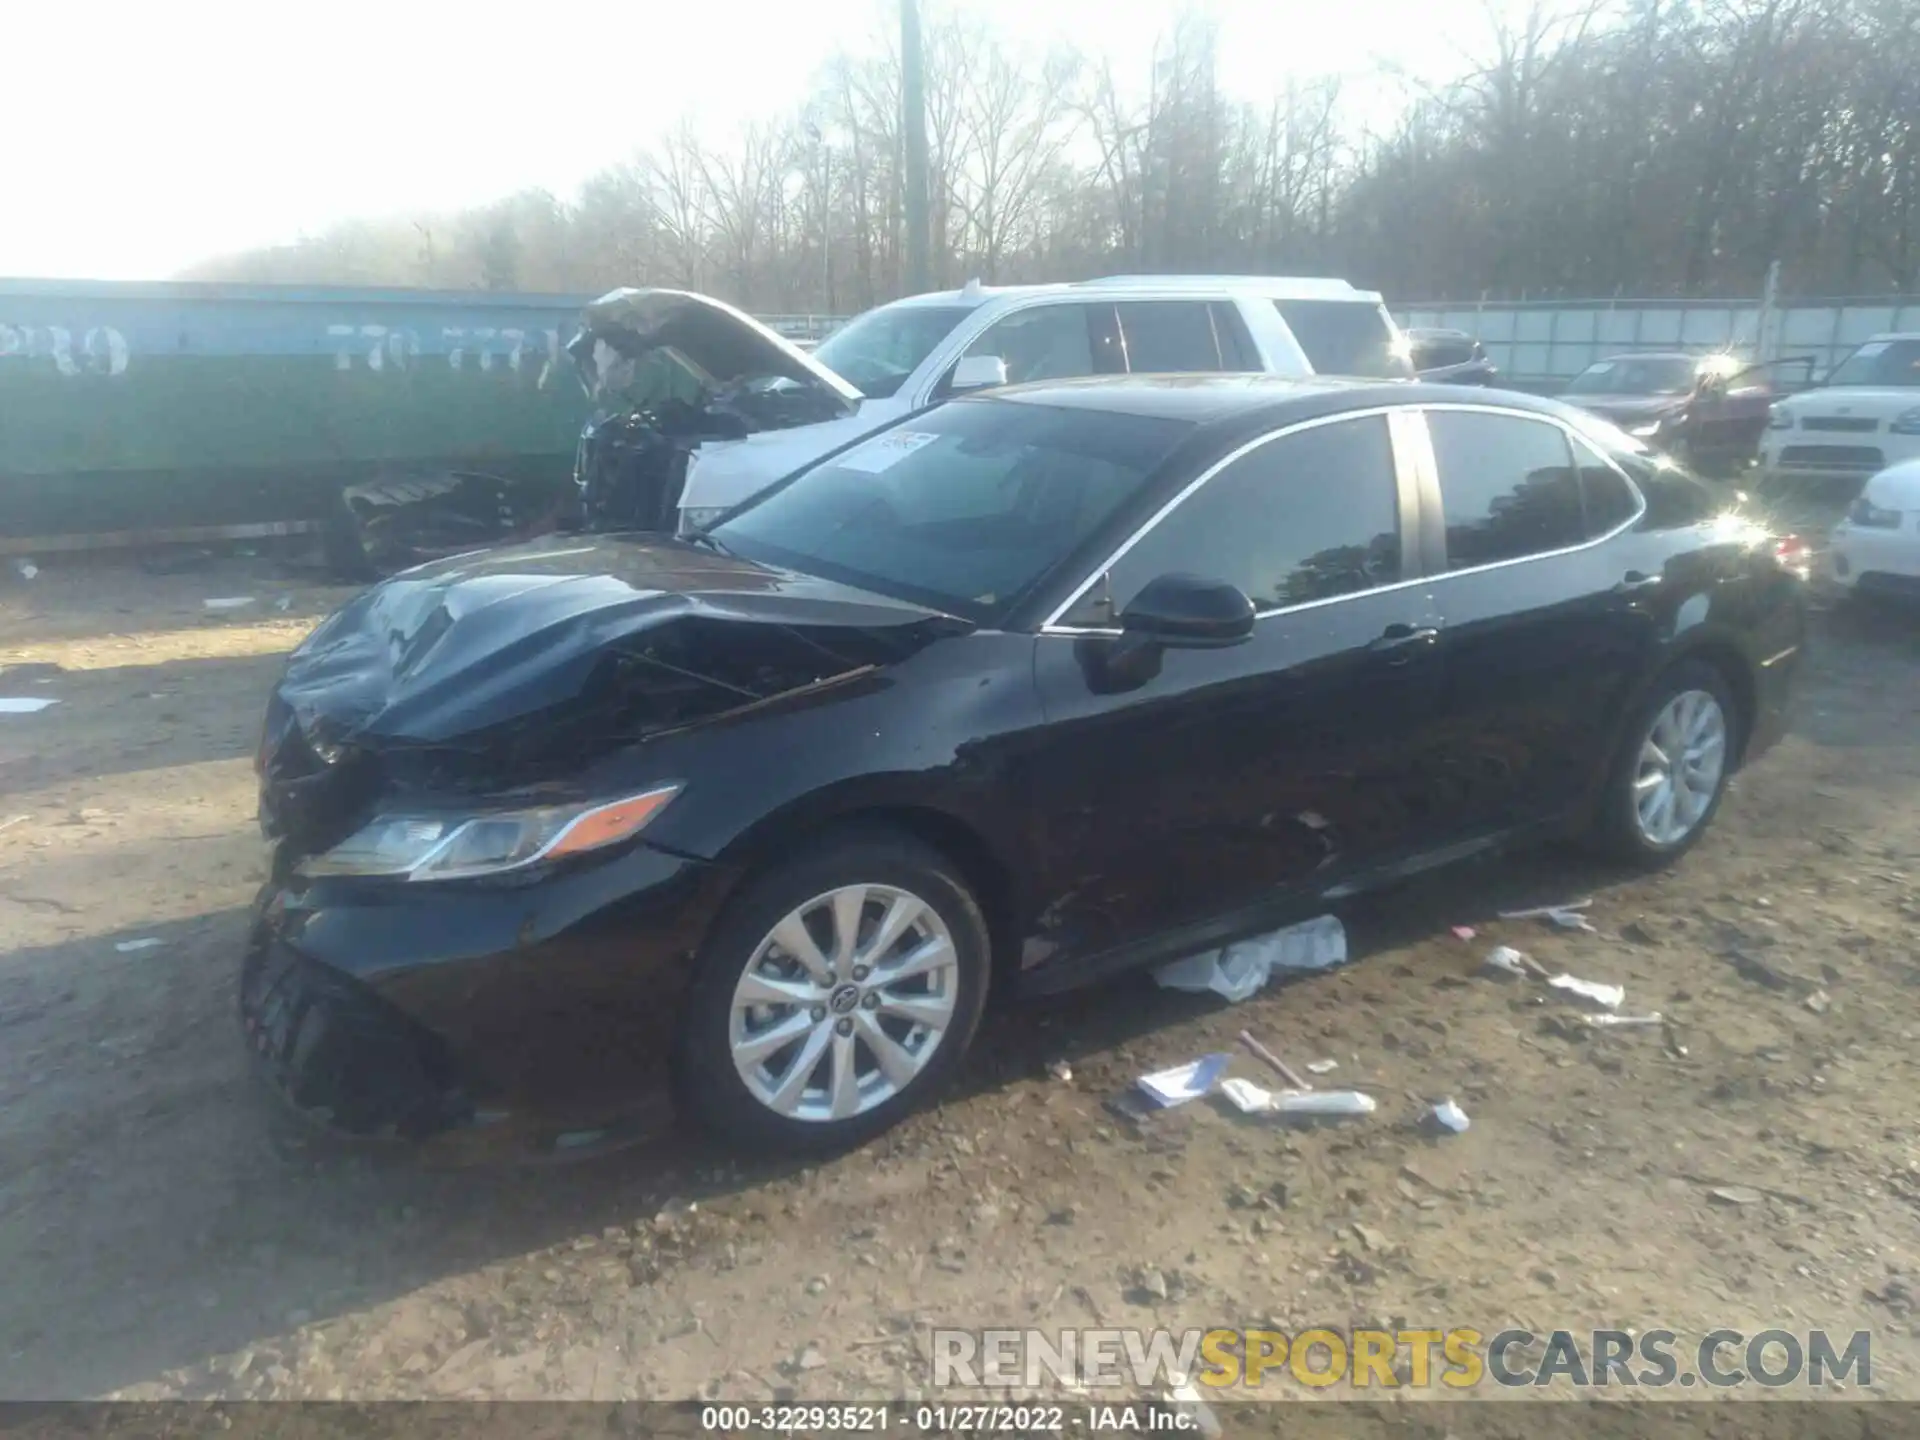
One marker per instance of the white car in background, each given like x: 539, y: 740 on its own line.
x: 1862, y: 419
x: 900, y: 357
x: 1875, y: 550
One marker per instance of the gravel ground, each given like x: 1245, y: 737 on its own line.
x: 160, y: 1240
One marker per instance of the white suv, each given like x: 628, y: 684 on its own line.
x: 1864, y: 418
x: 895, y: 359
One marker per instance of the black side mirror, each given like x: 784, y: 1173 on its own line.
x: 1188, y: 612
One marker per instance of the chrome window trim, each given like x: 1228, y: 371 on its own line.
x: 1422, y: 456
x: 1052, y: 626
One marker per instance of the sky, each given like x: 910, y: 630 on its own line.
x: 161, y: 134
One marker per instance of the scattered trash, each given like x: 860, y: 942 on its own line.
x: 1186, y: 1403
x: 1450, y: 1117
x: 145, y: 942
x: 1564, y: 917
x: 1252, y: 1099
x: 24, y: 704
x: 1465, y: 932
x: 284, y: 603
x: 1184, y: 1082
x: 1242, y: 968
x: 1819, y: 1002
x: 1322, y: 1067
x: 1505, y: 960
x: 1735, y: 1195
x: 1061, y: 1071
x: 1280, y: 1067
x: 228, y: 602
x: 1623, y: 1021
x: 1608, y: 997
x: 26, y: 568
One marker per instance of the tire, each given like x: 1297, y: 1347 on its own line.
x: 1644, y: 841
x: 791, y: 1089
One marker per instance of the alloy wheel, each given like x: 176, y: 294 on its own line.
x: 1681, y: 764
x: 844, y: 1002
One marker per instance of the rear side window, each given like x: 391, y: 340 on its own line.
x: 1344, y: 337
x: 1309, y: 516
x: 1507, y: 485
x: 1605, y: 496
x: 1166, y: 336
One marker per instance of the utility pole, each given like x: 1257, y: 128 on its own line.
x: 913, y: 131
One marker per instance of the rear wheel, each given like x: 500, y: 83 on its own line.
x: 1671, y: 774
x: 835, y: 994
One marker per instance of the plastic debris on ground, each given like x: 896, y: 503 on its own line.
x: 1505, y: 960
x: 1819, y: 1002
x: 1622, y: 1022
x: 1061, y: 1071
x: 228, y: 602
x: 1251, y: 1099
x: 1184, y: 1082
x: 1241, y: 969
x: 24, y: 704
x: 1564, y: 917
x: 145, y: 942
x: 1593, y: 992
x: 1450, y: 1117
x: 26, y: 568
x: 1464, y: 932
x: 1322, y: 1067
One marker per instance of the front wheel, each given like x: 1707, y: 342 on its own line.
x: 835, y: 993
x: 1671, y: 774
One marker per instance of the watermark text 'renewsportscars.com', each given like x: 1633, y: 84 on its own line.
x: 1457, y: 1358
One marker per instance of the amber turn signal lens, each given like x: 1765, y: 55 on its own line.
x: 611, y: 823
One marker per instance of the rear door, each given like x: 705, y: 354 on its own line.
x: 1234, y: 776
x: 1541, y: 630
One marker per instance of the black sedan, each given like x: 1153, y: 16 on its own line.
x: 1027, y: 690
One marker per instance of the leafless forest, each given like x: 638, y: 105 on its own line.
x: 1641, y: 148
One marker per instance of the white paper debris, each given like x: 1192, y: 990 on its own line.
x: 228, y: 602
x: 24, y: 704
x: 1505, y: 960
x: 145, y: 942
x: 1450, y: 1116
x: 1608, y: 997
x: 1241, y: 969
x: 1322, y: 1067
x: 1252, y: 1099
x: 1184, y: 1082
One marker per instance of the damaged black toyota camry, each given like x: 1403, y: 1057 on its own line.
x: 1025, y: 690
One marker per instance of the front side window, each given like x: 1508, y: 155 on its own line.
x: 1168, y: 336
x: 965, y: 507
x: 1345, y: 337
x: 877, y: 351
x: 1508, y: 487
x: 1893, y: 363
x: 1055, y: 342
x: 1308, y: 516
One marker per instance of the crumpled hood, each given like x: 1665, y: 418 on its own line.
x: 473, y: 642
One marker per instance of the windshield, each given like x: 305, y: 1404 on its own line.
x: 965, y: 508
x: 877, y: 351
x: 1651, y: 375
x: 1880, y: 362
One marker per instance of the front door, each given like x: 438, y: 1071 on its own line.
x: 1234, y: 777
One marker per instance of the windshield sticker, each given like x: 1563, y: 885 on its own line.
x: 885, y: 451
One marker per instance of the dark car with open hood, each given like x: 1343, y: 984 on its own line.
x: 1028, y: 689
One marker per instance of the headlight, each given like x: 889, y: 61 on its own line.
x: 697, y: 517
x: 449, y: 847
x: 1907, y: 422
x: 1779, y: 419
x: 1870, y: 516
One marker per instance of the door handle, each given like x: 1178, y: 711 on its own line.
x: 1636, y: 581
x: 1398, y: 642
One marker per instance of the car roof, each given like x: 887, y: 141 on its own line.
x: 1266, y: 287
x: 1207, y: 400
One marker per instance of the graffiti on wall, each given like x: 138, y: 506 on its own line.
x: 97, y: 350
x: 509, y: 349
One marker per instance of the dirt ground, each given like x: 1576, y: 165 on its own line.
x: 156, y: 1239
